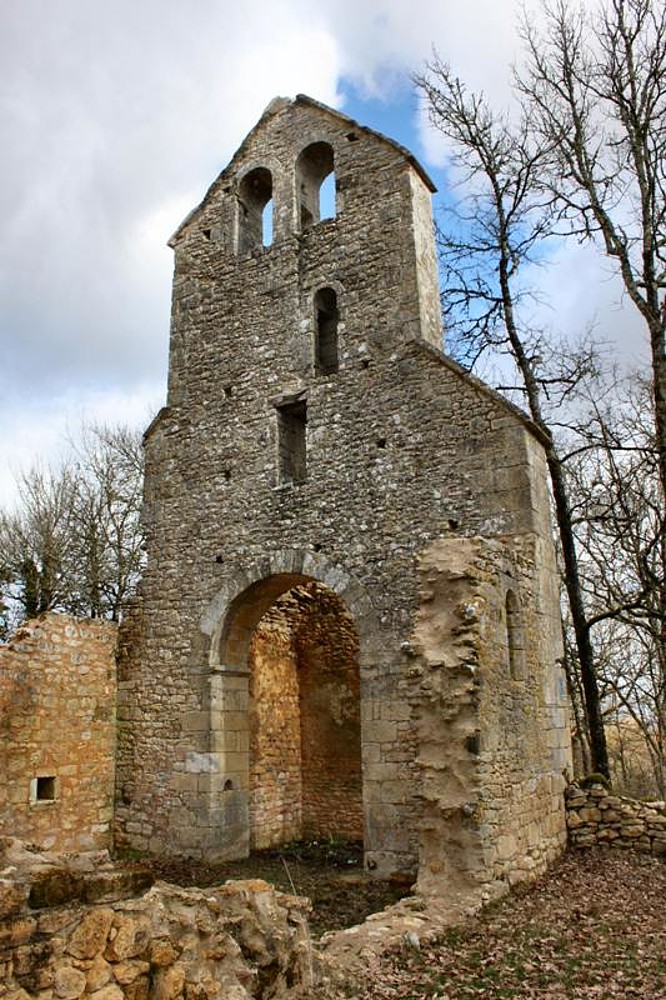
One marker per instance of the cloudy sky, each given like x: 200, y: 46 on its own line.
x: 115, y: 117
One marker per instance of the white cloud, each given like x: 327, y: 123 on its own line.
x: 115, y: 118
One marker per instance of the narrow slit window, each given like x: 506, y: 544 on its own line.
x: 514, y: 636
x: 292, y: 459
x: 315, y: 179
x: 255, y: 210
x: 326, y: 333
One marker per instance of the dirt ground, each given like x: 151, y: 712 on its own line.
x: 329, y: 873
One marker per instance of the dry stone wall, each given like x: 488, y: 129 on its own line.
x: 57, y: 733
x: 595, y: 816
x: 237, y: 941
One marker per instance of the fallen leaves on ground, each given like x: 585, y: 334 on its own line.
x: 594, y: 927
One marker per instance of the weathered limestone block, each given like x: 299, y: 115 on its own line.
x: 68, y: 983
x: 127, y: 938
x: 110, y: 992
x: 590, y: 815
x: 126, y: 972
x: 12, y: 898
x: 89, y: 938
x: 98, y: 974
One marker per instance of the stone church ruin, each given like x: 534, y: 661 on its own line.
x: 349, y: 618
x: 348, y: 624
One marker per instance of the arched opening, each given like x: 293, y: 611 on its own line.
x: 299, y: 644
x: 255, y: 210
x: 316, y: 199
x: 326, y: 331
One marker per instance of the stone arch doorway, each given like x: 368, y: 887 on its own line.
x: 288, y: 651
x: 304, y: 720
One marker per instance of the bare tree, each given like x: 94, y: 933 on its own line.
x: 502, y: 226
x: 584, y: 156
x: 594, y: 88
x: 619, y: 521
x: 106, y: 514
x: 34, y: 542
x: 74, y: 541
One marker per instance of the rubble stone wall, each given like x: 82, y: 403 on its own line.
x: 275, y: 740
x: 57, y: 733
x: 304, y: 721
x: 330, y: 702
x: 595, y: 816
x: 237, y: 941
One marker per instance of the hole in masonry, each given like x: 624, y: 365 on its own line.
x: 228, y: 785
x: 45, y: 789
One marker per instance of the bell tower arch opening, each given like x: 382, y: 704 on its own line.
x: 297, y: 643
x: 255, y: 210
x: 315, y: 180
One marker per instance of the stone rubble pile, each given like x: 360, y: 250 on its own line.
x: 595, y: 816
x: 236, y: 941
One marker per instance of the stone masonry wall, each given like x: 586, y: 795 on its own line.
x: 275, y: 739
x: 330, y: 701
x: 57, y: 733
x: 595, y: 816
x: 305, y: 740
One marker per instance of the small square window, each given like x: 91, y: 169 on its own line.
x: 44, y: 789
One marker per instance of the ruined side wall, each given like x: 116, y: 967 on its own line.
x: 330, y: 703
x: 57, y: 733
x: 493, y: 736
x: 305, y: 740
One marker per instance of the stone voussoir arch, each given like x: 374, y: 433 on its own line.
x: 273, y: 576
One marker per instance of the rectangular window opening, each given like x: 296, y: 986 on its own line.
x: 45, y: 789
x: 292, y: 421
